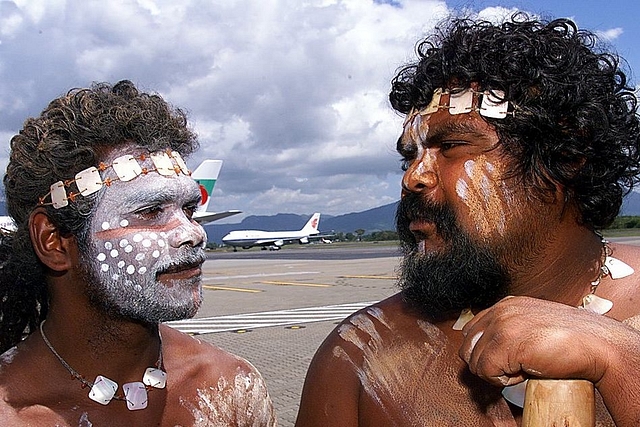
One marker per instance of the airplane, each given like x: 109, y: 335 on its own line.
x: 206, y: 175
x: 6, y: 223
x: 273, y: 239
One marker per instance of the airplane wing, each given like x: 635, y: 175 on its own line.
x: 206, y: 217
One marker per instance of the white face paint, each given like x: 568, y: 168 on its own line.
x: 144, y: 252
x: 483, y: 192
x: 417, y: 129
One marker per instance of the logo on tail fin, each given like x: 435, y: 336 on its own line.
x: 206, y: 188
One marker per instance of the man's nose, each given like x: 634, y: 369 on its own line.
x: 188, y: 232
x: 422, y: 174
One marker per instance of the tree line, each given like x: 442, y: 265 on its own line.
x: 620, y: 223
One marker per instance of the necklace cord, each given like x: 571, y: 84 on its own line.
x: 77, y: 376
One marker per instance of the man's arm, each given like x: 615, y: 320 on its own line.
x: 512, y: 340
x: 331, y: 389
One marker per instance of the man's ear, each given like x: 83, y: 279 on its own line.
x: 53, y: 249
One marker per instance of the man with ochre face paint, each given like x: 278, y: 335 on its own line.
x: 519, y: 142
x: 105, y: 250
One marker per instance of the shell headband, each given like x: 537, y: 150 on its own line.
x: 486, y: 103
x: 126, y: 168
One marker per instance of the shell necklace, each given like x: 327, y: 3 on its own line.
x: 103, y: 389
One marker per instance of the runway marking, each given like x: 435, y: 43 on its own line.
x: 227, y: 288
x: 319, y: 285
x: 368, y: 277
x: 248, y: 321
x: 249, y: 276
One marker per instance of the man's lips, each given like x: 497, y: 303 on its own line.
x: 182, y: 271
x: 422, y: 230
x: 426, y: 235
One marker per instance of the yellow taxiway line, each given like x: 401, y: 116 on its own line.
x: 226, y: 288
x: 318, y: 285
x: 368, y: 277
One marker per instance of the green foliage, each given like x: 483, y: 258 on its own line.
x: 623, y: 222
x: 379, y: 236
x: 620, y: 223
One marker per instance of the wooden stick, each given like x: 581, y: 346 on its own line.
x: 559, y: 403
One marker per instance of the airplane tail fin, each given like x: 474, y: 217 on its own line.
x: 206, y: 175
x: 311, y: 227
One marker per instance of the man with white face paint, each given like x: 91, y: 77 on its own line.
x: 105, y: 250
x: 519, y: 142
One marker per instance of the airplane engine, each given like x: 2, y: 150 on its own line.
x: 304, y: 240
x: 279, y: 242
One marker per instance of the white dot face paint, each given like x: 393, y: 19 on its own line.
x: 124, y: 223
x: 123, y: 243
x: 105, y: 225
x: 101, y: 257
x: 108, y: 245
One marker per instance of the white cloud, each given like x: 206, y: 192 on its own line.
x: 291, y: 94
x: 611, y: 34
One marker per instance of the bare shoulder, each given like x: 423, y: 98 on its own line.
x: 380, y: 366
x: 629, y: 254
x: 374, y: 328
x: 208, y: 358
x: 22, y: 404
x: 623, y: 291
x: 8, y: 413
x: 213, y: 384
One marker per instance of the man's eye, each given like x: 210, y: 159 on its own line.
x: 148, y: 213
x: 189, y: 210
x: 405, y: 164
x: 449, y: 145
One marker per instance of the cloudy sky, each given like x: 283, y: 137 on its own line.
x: 291, y: 94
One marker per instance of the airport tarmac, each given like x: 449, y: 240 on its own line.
x: 281, y: 340
x: 275, y: 308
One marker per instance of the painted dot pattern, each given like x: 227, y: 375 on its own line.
x: 140, y: 246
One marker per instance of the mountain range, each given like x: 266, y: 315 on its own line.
x: 381, y: 218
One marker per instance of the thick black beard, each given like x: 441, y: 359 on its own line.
x: 463, y: 274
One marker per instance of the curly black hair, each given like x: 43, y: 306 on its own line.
x: 73, y: 133
x: 575, y: 122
